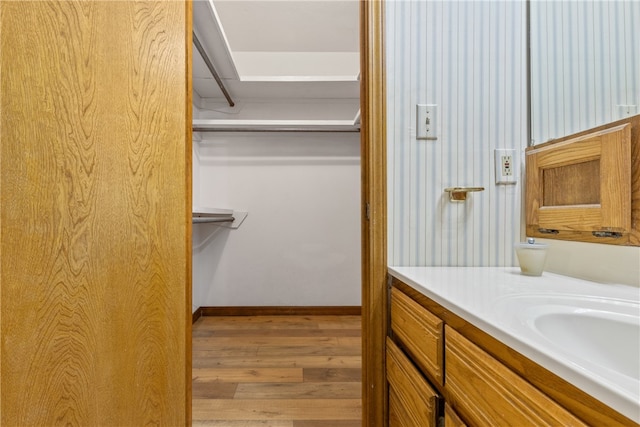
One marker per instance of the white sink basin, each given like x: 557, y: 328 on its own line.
x: 601, y: 336
x: 596, y: 336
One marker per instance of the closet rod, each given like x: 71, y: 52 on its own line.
x: 198, y: 220
x: 212, y: 69
x: 271, y: 129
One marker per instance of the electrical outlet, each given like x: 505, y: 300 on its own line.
x: 506, y: 162
x: 505, y: 166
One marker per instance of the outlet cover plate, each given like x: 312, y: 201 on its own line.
x: 505, y: 166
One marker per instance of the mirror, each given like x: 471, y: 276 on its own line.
x: 584, y: 65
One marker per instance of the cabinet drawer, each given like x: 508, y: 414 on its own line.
x: 451, y: 419
x: 420, y: 332
x: 485, y: 392
x: 412, y: 402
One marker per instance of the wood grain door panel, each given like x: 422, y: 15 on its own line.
x: 95, y: 204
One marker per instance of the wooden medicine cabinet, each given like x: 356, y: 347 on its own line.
x: 584, y: 187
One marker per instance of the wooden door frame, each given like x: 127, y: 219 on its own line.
x: 374, y: 212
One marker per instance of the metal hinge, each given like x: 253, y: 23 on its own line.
x: 367, y: 211
x: 547, y: 231
x: 607, y: 234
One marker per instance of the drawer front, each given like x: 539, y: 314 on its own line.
x: 412, y: 402
x: 451, y: 419
x: 420, y: 332
x: 485, y: 392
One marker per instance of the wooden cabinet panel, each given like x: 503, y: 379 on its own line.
x: 451, y: 419
x: 485, y: 392
x: 412, y: 402
x: 420, y: 332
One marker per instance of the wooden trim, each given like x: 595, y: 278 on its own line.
x: 576, y: 401
x: 196, y: 315
x: 373, y: 134
x: 279, y: 311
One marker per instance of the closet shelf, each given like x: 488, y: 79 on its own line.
x: 220, y: 125
x: 223, y: 217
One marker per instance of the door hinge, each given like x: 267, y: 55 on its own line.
x: 548, y: 231
x: 613, y: 234
x: 367, y: 211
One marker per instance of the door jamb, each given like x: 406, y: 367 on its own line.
x: 374, y: 212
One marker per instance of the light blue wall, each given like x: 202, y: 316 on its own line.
x: 469, y: 58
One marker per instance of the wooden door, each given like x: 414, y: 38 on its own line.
x: 95, y: 193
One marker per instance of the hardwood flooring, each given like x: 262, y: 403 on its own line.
x: 277, y: 371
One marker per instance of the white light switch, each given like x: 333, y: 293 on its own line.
x: 505, y: 166
x: 427, y: 121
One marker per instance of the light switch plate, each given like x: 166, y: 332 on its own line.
x: 505, y: 166
x: 426, y: 121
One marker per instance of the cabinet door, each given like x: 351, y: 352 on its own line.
x: 581, y: 185
x: 487, y: 393
x: 420, y: 332
x: 412, y: 402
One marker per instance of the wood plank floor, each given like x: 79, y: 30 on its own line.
x: 277, y: 371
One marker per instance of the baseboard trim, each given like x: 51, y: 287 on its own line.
x: 196, y: 315
x: 278, y: 311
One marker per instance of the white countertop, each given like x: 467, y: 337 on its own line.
x: 489, y: 298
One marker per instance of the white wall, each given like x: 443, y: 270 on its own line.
x: 596, y: 262
x: 300, y: 243
x: 468, y: 57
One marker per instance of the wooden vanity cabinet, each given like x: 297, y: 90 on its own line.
x: 440, y: 370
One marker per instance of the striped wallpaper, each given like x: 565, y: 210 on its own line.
x: 585, y: 64
x: 469, y: 58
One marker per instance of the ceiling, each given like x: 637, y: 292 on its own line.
x: 292, y: 48
x: 290, y: 26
